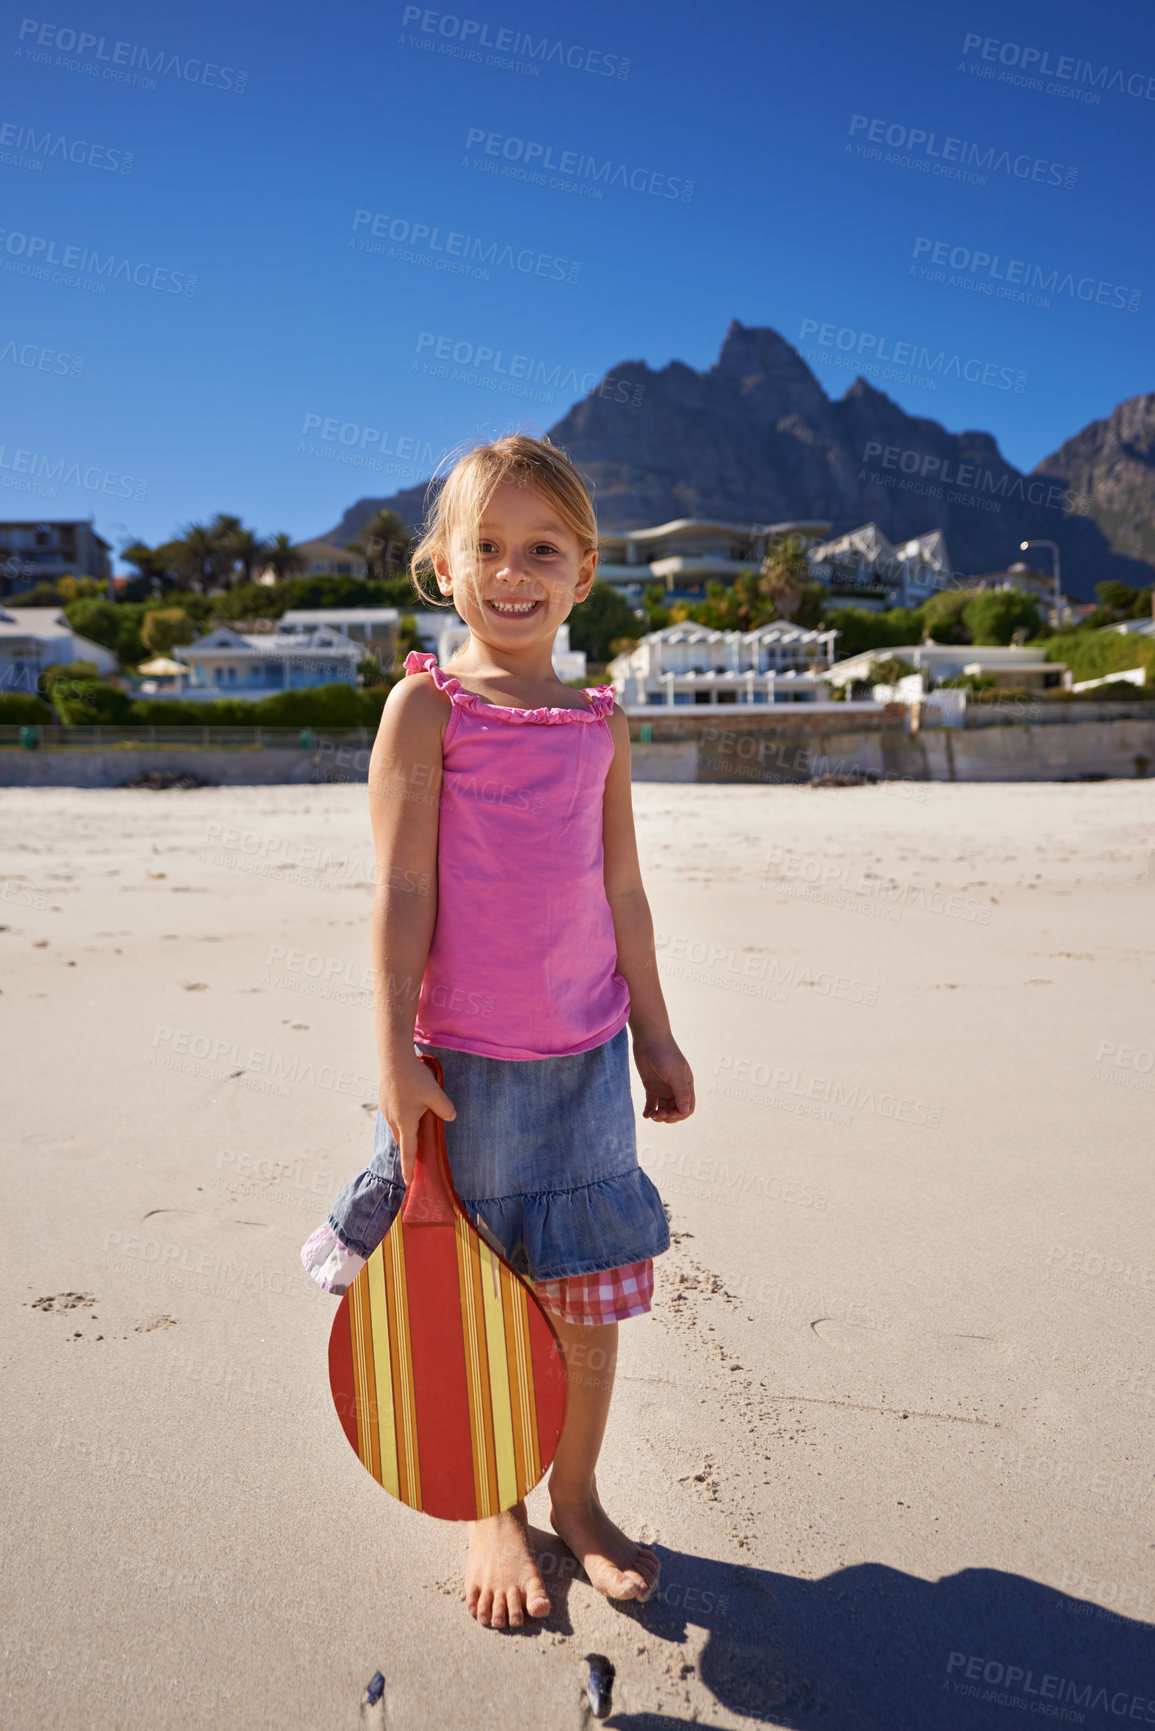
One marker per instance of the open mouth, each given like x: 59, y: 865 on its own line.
x: 514, y: 609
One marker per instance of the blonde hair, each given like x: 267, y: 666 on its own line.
x: 457, y: 511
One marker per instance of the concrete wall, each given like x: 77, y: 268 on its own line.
x: 96, y: 768
x: 770, y: 752
x: 1016, y: 753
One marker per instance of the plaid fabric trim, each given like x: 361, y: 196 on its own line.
x: 608, y: 1296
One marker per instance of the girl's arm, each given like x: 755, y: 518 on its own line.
x: 404, y: 795
x: 665, y: 1072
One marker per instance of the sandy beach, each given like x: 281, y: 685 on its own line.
x: 889, y: 1424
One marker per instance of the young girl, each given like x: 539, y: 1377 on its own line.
x: 525, y: 948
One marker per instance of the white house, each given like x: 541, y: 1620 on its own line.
x: 689, y: 552
x: 320, y: 559
x: 868, y: 570
x: 32, y: 638
x: 228, y: 663
x: 375, y: 628
x: 1017, y: 668
x: 692, y: 664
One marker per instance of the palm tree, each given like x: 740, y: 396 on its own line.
x: 226, y: 528
x: 283, y: 558
x: 385, y: 543
x: 784, y: 575
x: 205, y: 557
x: 248, y: 550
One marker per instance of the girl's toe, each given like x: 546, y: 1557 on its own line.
x: 513, y: 1601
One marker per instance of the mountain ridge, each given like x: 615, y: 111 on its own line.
x: 755, y: 438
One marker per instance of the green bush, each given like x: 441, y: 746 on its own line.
x: 114, y: 625
x: 942, y: 616
x: 163, y: 629
x: 87, y: 702
x: 332, y: 707
x: 994, y: 615
x: 223, y: 712
x: 859, y: 628
x: 65, y: 672
x: 603, y: 616
x: 332, y: 591
x: 40, y: 595
x: 18, y: 708
x: 1094, y: 654
x: 250, y: 601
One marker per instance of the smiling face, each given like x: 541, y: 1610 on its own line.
x: 524, y: 576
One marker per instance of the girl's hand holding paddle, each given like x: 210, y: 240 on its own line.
x: 668, y: 1079
x: 407, y: 1090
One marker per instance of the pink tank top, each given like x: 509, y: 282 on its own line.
x: 523, y: 959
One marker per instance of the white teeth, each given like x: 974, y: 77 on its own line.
x: 514, y: 606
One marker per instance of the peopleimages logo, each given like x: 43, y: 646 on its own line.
x: 1037, y: 283
x: 927, y: 150
x: 124, y: 55
x: 504, y: 370
x: 46, y: 145
x: 537, y: 161
x: 62, y: 473
x: 38, y: 252
x: 465, y: 37
x: 919, y: 356
x: 975, y: 479
x: 1036, y: 64
x: 42, y: 360
x: 418, y: 243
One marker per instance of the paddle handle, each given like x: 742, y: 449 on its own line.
x: 430, y: 1198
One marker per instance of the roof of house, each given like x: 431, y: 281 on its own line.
x: 223, y: 640
x: 340, y: 616
x: 325, y: 550
x: 34, y: 622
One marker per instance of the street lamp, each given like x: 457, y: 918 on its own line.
x: 1023, y: 545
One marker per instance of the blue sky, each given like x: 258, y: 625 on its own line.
x: 756, y: 139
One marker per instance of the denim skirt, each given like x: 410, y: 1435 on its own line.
x: 543, y: 1153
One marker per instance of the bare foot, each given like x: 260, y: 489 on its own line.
x: 502, y: 1580
x: 615, y: 1565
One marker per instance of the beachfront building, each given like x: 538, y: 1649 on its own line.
x: 229, y: 663
x: 692, y: 664
x: 375, y: 628
x: 33, y: 553
x: 32, y: 638
x: 320, y: 559
x: 864, y: 569
x: 1012, y: 667
x: 688, y: 553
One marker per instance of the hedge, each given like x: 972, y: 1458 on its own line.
x: 18, y: 709
x: 326, y: 706
x: 1094, y: 654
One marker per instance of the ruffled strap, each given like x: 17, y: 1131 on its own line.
x: 601, y: 697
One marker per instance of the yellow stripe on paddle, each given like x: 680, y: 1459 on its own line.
x: 473, y: 1339
x: 401, y: 1349
x: 508, y: 1489
x: 383, y: 1371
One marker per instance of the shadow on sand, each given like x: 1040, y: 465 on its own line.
x: 873, y: 1649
